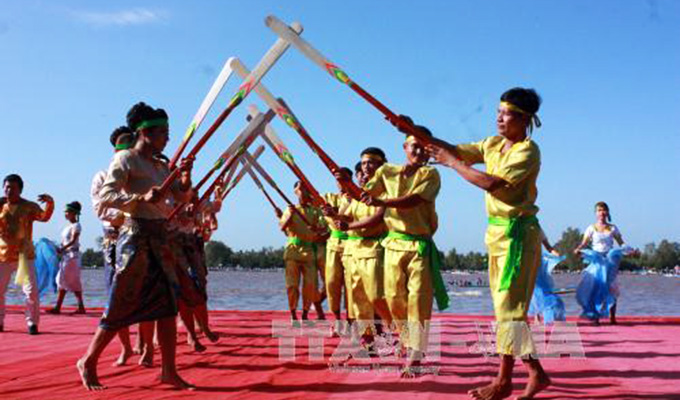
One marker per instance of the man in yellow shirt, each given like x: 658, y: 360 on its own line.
x: 302, y: 251
x: 336, y: 271
x: 408, y: 193
x: 512, y: 162
x: 364, y: 253
x: 16, y: 245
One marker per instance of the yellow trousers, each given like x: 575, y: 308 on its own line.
x: 368, y: 284
x: 321, y: 270
x: 305, y: 269
x: 348, y: 263
x: 409, y: 295
x: 513, y: 336
x: 335, y: 279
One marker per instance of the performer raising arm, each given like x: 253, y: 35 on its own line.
x: 16, y: 245
x: 513, y: 236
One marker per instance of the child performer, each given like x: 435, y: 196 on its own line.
x: 412, y: 276
x: 144, y: 285
x: 68, y: 277
x: 16, y: 245
x: 302, y: 251
x: 513, y: 236
x: 597, y: 292
x: 122, y: 138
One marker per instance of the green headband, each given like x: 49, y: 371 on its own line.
x: 72, y: 209
x: 150, y: 123
x: 123, y: 146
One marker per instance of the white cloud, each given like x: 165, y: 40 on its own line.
x: 136, y: 16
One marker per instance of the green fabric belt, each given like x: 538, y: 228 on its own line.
x: 339, y: 235
x: 299, y: 242
x: 315, y: 248
x: 427, y: 248
x: 515, y: 230
x: 357, y: 237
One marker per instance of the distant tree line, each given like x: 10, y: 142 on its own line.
x: 660, y: 257
x: 219, y: 255
x: 93, y: 258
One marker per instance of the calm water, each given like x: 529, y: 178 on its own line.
x: 264, y: 290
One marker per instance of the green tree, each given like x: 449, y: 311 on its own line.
x: 452, y: 260
x: 665, y: 255
x: 267, y: 257
x: 570, y: 239
x: 218, y: 254
x: 92, y: 258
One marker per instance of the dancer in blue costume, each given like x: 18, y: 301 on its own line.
x: 544, y: 302
x: 597, y: 292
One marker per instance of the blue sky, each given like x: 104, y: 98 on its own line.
x: 608, y: 72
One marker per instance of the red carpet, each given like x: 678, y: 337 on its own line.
x: 637, y: 359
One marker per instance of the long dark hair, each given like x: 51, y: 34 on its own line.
x: 606, y: 207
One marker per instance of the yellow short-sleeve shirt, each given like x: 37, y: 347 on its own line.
x: 364, y: 248
x: 340, y: 202
x: 519, y: 167
x: 16, y: 228
x: 299, y: 229
x: 390, y: 182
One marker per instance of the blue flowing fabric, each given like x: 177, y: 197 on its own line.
x: 594, y: 293
x: 46, y: 265
x: 544, y: 301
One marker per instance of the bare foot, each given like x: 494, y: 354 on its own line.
x: 493, y: 391
x: 147, y: 359
x: 535, y: 385
x: 336, y: 329
x: 123, y: 357
x: 212, y: 336
x: 79, y: 311
x: 412, y: 369
x: 89, y: 376
x: 177, y: 382
x: 399, y: 349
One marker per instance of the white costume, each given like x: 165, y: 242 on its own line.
x: 68, y: 277
x: 602, y: 242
